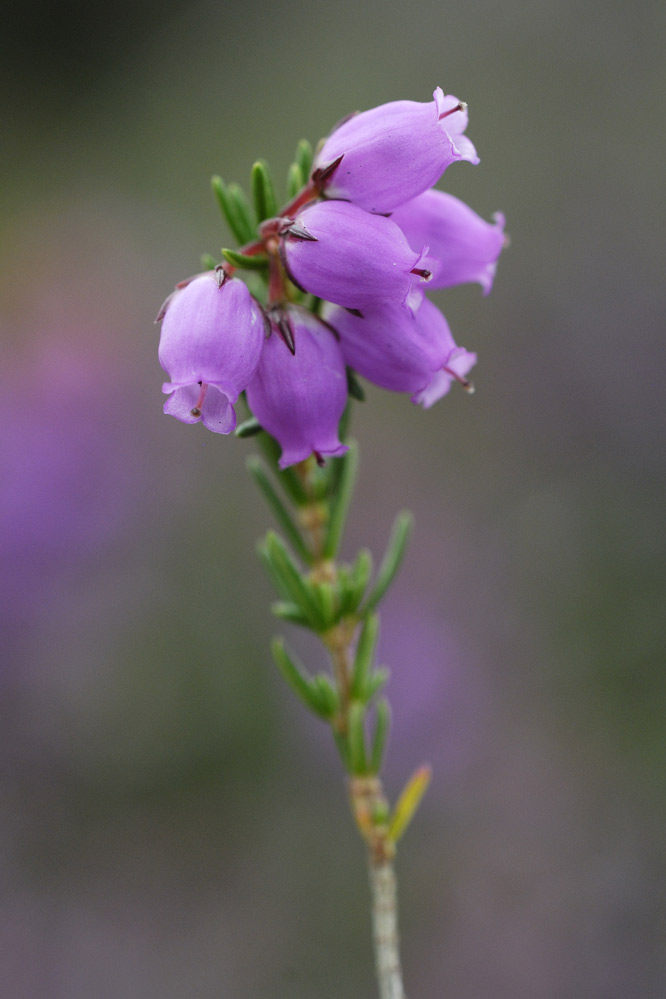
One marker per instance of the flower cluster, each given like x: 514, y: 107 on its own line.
x: 345, y: 266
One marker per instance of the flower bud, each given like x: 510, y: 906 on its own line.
x: 352, y: 258
x: 299, y: 398
x: 211, y: 342
x: 464, y: 246
x: 400, y: 352
x: 395, y: 151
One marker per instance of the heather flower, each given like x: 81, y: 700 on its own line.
x: 299, y: 397
x: 395, y: 151
x: 403, y: 353
x: 465, y: 246
x: 343, y: 254
x: 211, y: 342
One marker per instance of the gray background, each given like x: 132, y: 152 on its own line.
x: 171, y: 826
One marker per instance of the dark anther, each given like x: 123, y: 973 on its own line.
x: 195, y: 411
x: 460, y: 106
x: 320, y: 461
x: 422, y: 272
x: 354, y: 312
x: 221, y: 275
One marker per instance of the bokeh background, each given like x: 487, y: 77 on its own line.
x: 170, y: 825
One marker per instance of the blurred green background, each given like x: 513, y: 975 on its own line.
x: 170, y: 825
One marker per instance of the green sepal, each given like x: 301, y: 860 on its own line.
x: 287, y: 611
x: 278, y: 509
x: 304, y: 158
x: 380, y: 735
x: 256, y: 262
x: 346, y: 479
x: 235, y: 209
x: 356, y: 738
x: 298, y: 679
x: 392, y: 558
x: 294, y: 586
x: 295, y: 181
x: 208, y: 261
x: 248, y: 428
x: 263, y: 192
x: 365, y: 651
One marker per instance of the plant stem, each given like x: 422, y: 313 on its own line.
x: 385, y: 929
x: 368, y: 803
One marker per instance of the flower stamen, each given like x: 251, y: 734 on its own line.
x: 196, y: 409
x: 460, y: 106
x: 465, y: 382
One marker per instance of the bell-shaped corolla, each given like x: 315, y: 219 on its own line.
x: 212, y: 337
x: 415, y: 354
x: 343, y: 254
x: 464, y: 246
x: 393, y: 152
x: 299, y: 397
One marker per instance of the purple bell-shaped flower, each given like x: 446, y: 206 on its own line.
x: 395, y: 151
x: 211, y: 341
x: 465, y: 246
x: 343, y: 254
x: 403, y: 353
x: 299, y: 397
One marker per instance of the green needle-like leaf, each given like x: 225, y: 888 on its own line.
x: 391, y: 562
x: 356, y: 739
x: 295, y: 181
x: 409, y: 801
x: 255, y: 262
x: 304, y: 158
x: 248, y: 428
x: 287, y: 611
x: 298, y: 588
x: 235, y: 209
x: 263, y: 192
x: 326, y: 693
x: 243, y: 211
x: 341, y: 501
x: 360, y: 575
x: 376, y: 682
x: 278, y: 509
x: 298, y: 679
x: 380, y: 735
x: 363, y: 659
x: 287, y: 477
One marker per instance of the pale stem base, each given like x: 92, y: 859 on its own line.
x: 385, y: 930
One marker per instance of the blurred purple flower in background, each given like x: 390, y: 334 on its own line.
x: 71, y: 467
